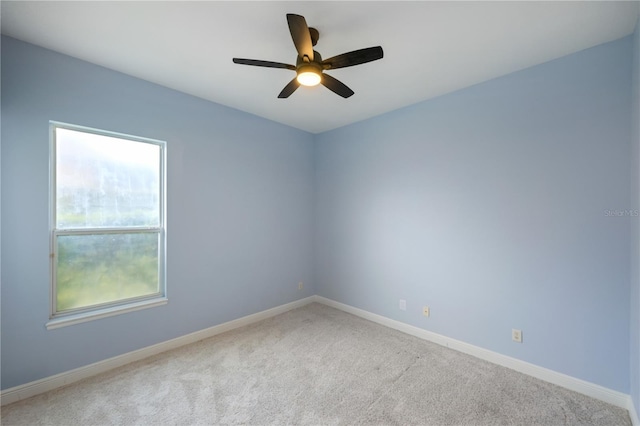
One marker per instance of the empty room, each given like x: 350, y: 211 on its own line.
x: 314, y: 213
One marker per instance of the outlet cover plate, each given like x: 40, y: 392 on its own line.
x: 402, y: 305
x: 516, y: 335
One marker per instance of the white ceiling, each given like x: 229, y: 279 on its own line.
x: 430, y: 48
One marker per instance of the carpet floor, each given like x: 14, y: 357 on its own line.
x: 312, y: 366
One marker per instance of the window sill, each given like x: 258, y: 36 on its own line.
x: 103, y: 313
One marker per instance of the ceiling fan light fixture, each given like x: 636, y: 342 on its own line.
x: 309, y: 65
x: 309, y: 76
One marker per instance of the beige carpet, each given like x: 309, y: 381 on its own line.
x: 312, y: 366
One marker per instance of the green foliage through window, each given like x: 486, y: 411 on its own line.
x: 96, y: 269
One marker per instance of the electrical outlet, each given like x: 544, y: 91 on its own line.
x: 425, y: 311
x: 402, y: 305
x: 300, y: 285
x: 516, y: 335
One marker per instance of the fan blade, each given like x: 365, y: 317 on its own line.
x: 258, y: 63
x: 289, y: 88
x: 356, y: 57
x: 336, y: 86
x: 300, y: 35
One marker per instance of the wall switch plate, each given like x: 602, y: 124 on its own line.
x: 426, y: 311
x: 516, y: 335
x: 402, y: 305
x: 300, y: 285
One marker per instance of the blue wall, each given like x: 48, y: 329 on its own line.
x: 635, y: 232
x: 490, y: 205
x: 240, y: 219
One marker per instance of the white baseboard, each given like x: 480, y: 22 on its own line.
x: 635, y: 421
x: 30, y: 389
x: 586, y: 388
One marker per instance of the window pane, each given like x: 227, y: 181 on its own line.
x: 104, y: 181
x: 95, y: 269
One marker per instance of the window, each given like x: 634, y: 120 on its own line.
x: 107, y: 223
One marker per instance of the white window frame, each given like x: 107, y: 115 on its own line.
x: 79, y: 315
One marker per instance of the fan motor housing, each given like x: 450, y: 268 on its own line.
x: 302, y: 61
x: 315, y: 35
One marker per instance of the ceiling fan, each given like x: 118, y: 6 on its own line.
x: 310, y: 66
